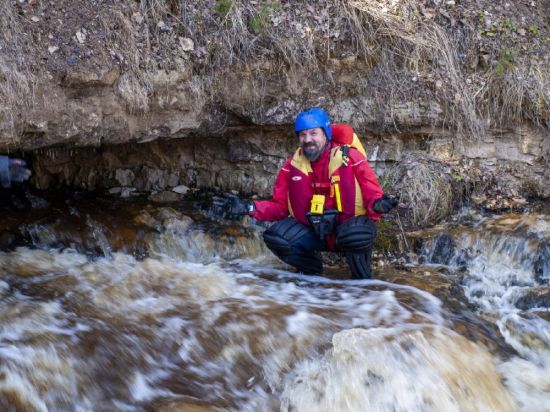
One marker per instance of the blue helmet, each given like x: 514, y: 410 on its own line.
x: 313, y: 118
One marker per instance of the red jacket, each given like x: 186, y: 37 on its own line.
x: 285, y: 188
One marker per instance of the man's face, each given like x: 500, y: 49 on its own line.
x: 312, y: 142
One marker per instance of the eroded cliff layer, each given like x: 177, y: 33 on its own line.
x: 145, y: 96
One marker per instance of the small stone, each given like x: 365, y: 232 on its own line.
x: 534, y: 298
x: 522, y: 32
x: 181, y: 189
x: 35, y: 19
x: 438, y: 84
x: 162, y: 26
x: 80, y: 36
x: 186, y: 44
x: 72, y: 60
x: 53, y: 49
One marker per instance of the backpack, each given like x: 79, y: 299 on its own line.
x: 344, y: 136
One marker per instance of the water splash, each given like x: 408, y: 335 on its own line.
x: 131, y: 332
x: 386, y: 370
x: 174, y: 311
x: 506, y: 277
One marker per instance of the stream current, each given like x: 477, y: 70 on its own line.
x: 124, y: 306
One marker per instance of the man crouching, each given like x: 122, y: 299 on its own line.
x: 326, y: 197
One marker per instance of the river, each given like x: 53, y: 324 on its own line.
x: 125, y: 306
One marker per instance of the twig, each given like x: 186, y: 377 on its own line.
x: 402, y: 231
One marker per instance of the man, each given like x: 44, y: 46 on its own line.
x: 332, y: 196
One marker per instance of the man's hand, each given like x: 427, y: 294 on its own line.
x: 231, y: 206
x: 385, y: 204
x: 13, y: 170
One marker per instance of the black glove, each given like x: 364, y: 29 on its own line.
x: 385, y: 204
x: 12, y: 170
x: 231, y: 206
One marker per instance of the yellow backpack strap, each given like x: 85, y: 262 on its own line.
x: 358, y: 145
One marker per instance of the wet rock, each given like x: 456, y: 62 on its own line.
x: 36, y: 201
x: 6, y: 240
x: 124, y: 177
x: 167, y: 213
x: 164, y: 197
x: 4, y: 288
x: 173, y: 179
x: 534, y: 298
x: 144, y: 218
x: 152, y: 179
x: 541, y: 264
x: 443, y: 250
x: 544, y: 314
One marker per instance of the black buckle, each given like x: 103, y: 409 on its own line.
x: 323, y: 224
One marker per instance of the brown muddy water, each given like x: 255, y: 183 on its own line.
x: 108, y: 305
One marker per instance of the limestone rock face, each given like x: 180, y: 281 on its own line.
x: 132, y: 99
x: 247, y: 159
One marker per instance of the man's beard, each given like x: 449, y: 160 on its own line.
x: 312, y: 152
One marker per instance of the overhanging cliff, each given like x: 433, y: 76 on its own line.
x: 207, y: 92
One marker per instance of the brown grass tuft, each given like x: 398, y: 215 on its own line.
x: 430, y: 189
x: 17, y: 83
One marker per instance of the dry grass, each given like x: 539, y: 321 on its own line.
x: 427, y: 187
x: 17, y: 83
x: 412, y: 54
x: 134, y: 85
x: 517, y: 94
x: 401, y: 58
x: 408, y: 58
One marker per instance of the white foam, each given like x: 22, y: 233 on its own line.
x: 140, y: 388
x: 28, y: 397
x: 385, y: 370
